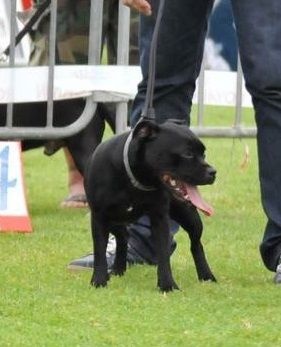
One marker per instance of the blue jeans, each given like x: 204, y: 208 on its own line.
x: 180, y: 48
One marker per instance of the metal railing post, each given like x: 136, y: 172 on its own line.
x: 122, y: 59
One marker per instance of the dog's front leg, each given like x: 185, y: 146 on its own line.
x: 160, y: 232
x: 120, y: 262
x: 189, y: 219
x: 100, y: 240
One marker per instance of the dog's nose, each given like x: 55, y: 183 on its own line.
x: 212, y: 172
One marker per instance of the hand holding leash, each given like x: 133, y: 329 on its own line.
x: 143, y: 6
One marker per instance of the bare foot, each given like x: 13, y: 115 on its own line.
x: 76, y: 197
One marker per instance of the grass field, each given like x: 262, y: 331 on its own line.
x: 43, y: 304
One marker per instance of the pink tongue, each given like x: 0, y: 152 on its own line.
x: 198, y: 201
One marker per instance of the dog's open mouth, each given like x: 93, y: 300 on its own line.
x: 186, y: 192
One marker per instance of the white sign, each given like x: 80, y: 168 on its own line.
x: 13, y: 209
x: 82, y: 80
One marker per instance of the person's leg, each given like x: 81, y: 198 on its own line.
x: 179, y: 54
x: 76, y: 196
x: 72, y: 48
x: 259, y: 30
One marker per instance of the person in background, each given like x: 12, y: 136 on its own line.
x: 73, y: 18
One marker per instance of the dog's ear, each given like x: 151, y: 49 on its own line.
x: 146, y: 129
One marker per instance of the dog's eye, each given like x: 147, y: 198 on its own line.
x: 188, y: 156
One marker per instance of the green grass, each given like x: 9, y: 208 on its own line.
x: 223, y: 116
x: 43, y: 304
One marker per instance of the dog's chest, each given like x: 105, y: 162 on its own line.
x: 126, y: 213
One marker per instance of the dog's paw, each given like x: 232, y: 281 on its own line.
x: 99, y: 280
x: 99, y: 285
x: 119, y: 267
x: 168, y: 287
x: 208, y: 278
x: 118, y: 272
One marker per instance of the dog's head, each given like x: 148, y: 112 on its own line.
x: 176, y: 157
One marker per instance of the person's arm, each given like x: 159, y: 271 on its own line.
x: 143, y: 6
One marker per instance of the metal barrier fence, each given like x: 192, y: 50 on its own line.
x: 236, y: 129
x: 95, y: 41
x: 95, y: 38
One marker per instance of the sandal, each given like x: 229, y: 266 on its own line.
x: 75, y: 201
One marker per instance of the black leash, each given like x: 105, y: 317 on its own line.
x: 148, y: 110
x: 28, y: 27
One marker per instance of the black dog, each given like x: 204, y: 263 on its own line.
x: 152, y: 171
x: 80, y: 145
